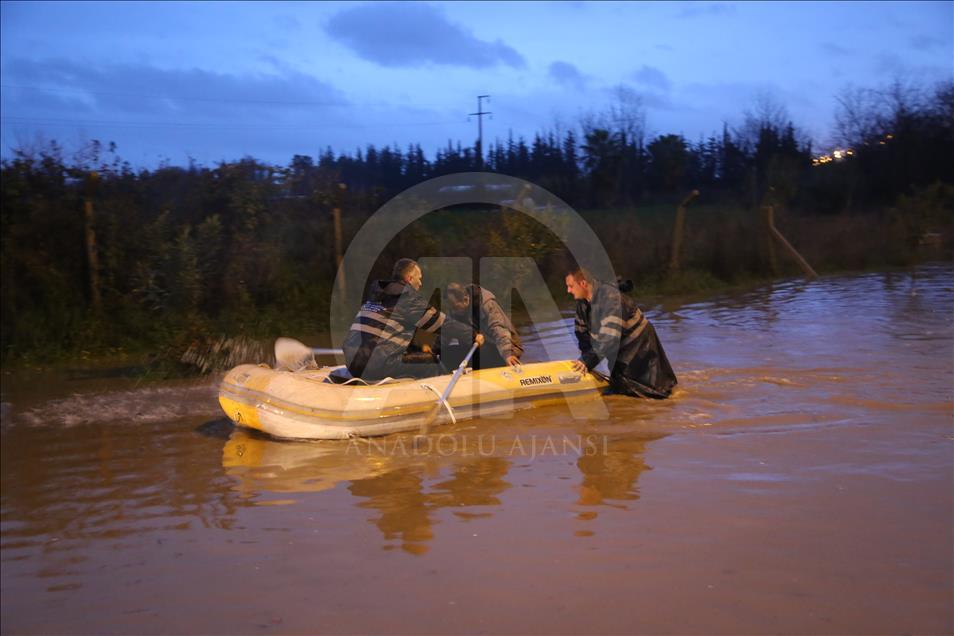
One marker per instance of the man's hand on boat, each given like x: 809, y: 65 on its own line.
x: 579, y: 366
x: 512, y: 361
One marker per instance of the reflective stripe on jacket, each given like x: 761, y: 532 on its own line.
x: 608, y: 326
x: 385, y: 326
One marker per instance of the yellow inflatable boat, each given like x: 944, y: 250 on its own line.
x: 327, y: 404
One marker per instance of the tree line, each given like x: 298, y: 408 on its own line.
x: 97, y: 255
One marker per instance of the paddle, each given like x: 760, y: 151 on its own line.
x: 450, y: 387
x: 293, y: 354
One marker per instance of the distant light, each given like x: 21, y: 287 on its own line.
x: 838, y: 154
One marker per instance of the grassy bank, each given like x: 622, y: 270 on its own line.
x: 724, y: 248
x: 211, y: 291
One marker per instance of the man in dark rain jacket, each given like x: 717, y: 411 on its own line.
x: 382, y: 331
x: 478, y: 307
x: 610, y: 325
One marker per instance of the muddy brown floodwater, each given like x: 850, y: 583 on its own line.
x: 801, y: 481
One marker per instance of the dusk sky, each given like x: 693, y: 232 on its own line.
x: 218, y: 81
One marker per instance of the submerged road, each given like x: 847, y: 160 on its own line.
x: 801, y: 480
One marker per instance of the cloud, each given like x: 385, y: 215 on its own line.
x: 566, y: 74
x: 731, y: 98
x: 658, y: 102
x: 410, y: 34
x: 830, y: 48
x: 151, y: 112
x: 287, y: 23
x: 155, y: 114
x: 892, y: 67
x: 699, y: 9
x: 652, y: 77
x: 574, y: 5
x: 889, y: 64
x: 132, y: 91
x: 928, y: 43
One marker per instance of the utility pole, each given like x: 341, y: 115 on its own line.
x: 480, y: 129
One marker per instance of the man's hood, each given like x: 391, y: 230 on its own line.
x: 381, y: 288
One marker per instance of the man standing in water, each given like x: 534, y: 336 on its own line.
x: 610, y: 325
x: 379, y: 338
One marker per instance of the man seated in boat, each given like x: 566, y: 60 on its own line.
x: 610, y: 325
x: 479, y: 308
x: 377, y: 344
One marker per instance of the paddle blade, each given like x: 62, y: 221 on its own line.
x: 292, y: 354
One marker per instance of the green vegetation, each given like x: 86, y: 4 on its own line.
x: 101, y: 260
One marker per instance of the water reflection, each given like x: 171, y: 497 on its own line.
x: 407, y: 487
x: 473, y: 484
x: 262, y: 464
x: 609, y: 477
x: 388, y: 475
x: 73, y: 494
x: 404, y: 510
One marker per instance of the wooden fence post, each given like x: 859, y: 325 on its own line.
x: 677, y: 232
x: 773, y: 232
x: 92, y: 256
x: 768, y: 244
x: 339, y: 240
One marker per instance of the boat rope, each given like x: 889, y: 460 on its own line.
x: 441, y: 400
x: 328, y: 380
